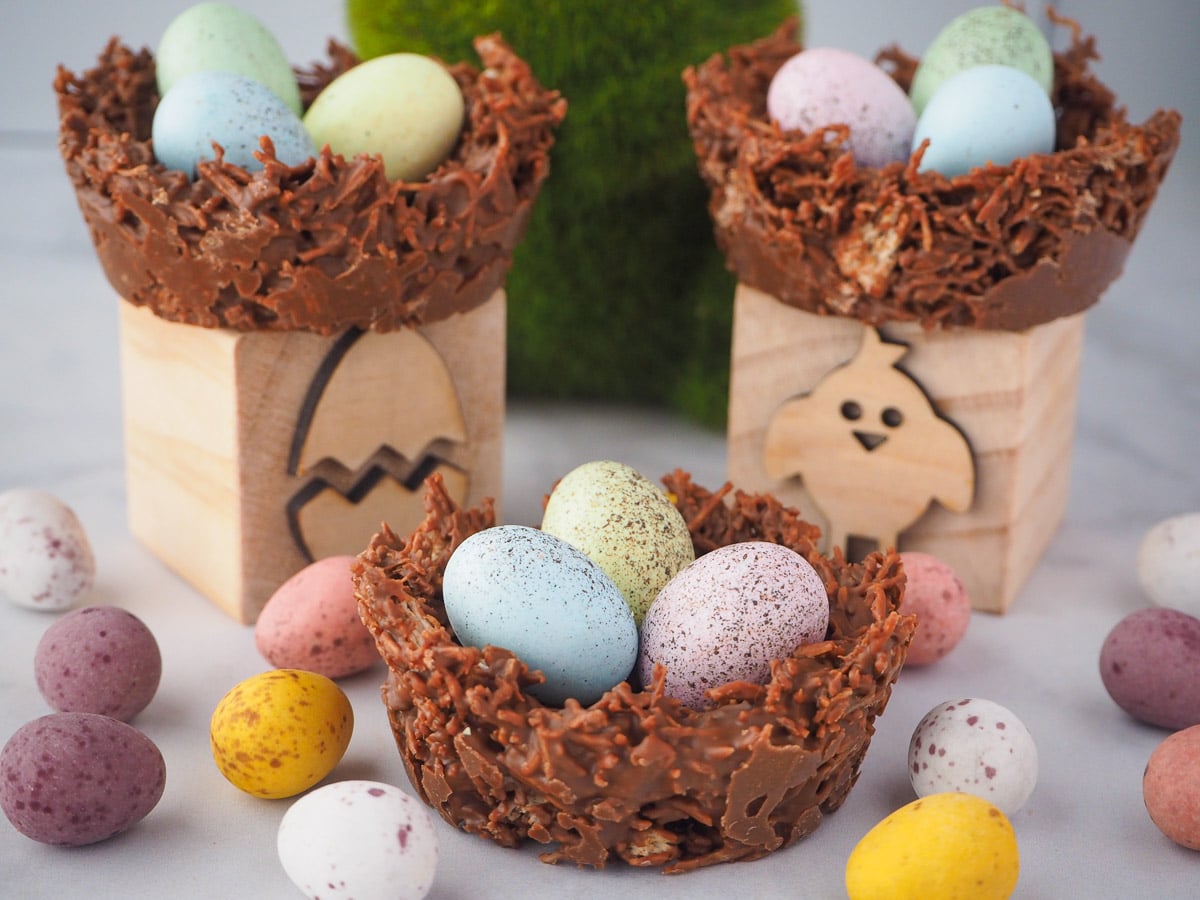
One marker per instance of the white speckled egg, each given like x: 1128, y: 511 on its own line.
x: 232, y: 110
x: 988, y: 114
x: 360, y: 839
x: 728, y: 614
x: 624, y: 523
x: 46, y: 560
x: 529, y: 592
x: 975, y: 747
x: 221, y: 37
x: 1168, y: 563
x: 404, y: 107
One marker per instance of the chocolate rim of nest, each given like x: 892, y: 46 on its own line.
x: 754, y: 773
x: 1005, y: 247
x: 321, y: 246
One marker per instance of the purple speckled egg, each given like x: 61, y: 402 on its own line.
x: 311, y: 622
x: 100, y: 659
x: 725, y: 616
x: 825, y: 86
x: 78, y: 778
x: 936, y: 594
x: 46, y: 560
x: 1150, y: 666
x: 976, y: 747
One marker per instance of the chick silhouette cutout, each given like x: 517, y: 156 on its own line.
x: 870, y: 448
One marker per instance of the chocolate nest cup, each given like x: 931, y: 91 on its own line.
x: 1001, y: 247
x: 636, y: 776
x: 321, y: 246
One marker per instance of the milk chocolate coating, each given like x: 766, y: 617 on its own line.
x: 1002, y: 247
x: 637, y: 775
x: 321, y: 246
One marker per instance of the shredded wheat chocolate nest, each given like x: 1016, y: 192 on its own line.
x: 1003, y: 247
x: 320, y: 246
x: 636, y: 776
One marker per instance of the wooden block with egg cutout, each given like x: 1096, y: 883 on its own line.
x: 955, y: 442
x: 250, y: 454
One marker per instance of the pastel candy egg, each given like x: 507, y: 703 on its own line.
x: 228, y: 109
x: 101, y: 659
x: 728, y: 615
x: 989, y: 35
x: 1171, y: 787
x: 223, y: 38
x: 977, y: 747
x: 360, y: 839
x: 76, y: 778
x: 824, y: 86
x: 1150, y: 666
x: 46, y: 559
x: 535, y: 595
x: 404, y: 107
x: 988, y: 114
x: 936, y: 594
x: 625, y: 524
x: 311, y: 622
x: 1168, y: 563
x: 278, y: 733
x: 944, y: 846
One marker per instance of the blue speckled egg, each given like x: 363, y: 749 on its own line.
x: 988, y: 114
x: 220, y: 37
x: 529, y: 592
x: 232, y: 110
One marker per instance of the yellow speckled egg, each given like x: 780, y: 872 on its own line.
x: 625, y: 524
x: 940, y: 847
x: 278, y: 733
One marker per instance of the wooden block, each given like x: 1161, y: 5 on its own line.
x: 249, y: 454
x: 974, y: 467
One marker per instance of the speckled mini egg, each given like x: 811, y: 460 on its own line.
x: 100, y: 659
x: 987, y: 114
x: 1171, y: 787
x: 360, y: 839
x: 946, y: 846
x: 228, y: 109
x: 825, y: 86
x: 624, y: 523
x: 46, y: 559
x: 311, y: 622
x: 997, y: 35
x: 535, y: 595
x: 977, y: 747
x: 223, y: 38
x: 1168, y: 563
x: 280, y: 732
x: 936, y: 594
x: 404, y: 107
x: 77, y: 778
x: 728, y: 614
x: 1150, y: 666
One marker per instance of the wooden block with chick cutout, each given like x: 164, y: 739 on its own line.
x: 955, y: 442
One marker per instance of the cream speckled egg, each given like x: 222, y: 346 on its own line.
x: 1168, y: 563
x: 46, y: 560
x: 623, y: 522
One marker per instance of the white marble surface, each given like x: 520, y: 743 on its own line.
x: 1085, y: 831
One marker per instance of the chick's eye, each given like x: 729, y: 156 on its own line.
x: 851, y: 410
x: 892, y: 417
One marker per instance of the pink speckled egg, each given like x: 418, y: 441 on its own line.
x: 725, y: 616
x: 936, y: 594
x: 46, y: 560
x: 1150, y: 666
x: 824, y: 86
x: 1171, y: 787
x: 311, y: 622
x: 100, y: 659
x: 977, y: 747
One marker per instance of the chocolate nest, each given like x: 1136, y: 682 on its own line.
x: 321, y: 246
x: 1002, y: 247
x: 637, y: 775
